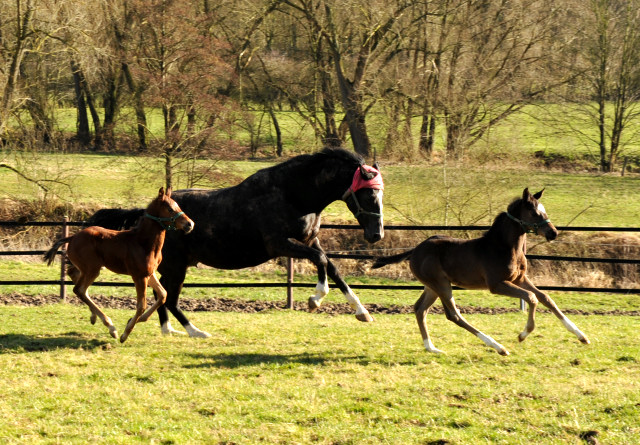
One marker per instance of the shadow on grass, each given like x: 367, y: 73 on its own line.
x: 239, y: 360
x: 11, y: 343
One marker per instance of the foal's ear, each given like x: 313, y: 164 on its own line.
x: 365, y: 174
x: 526, y: 196
x: 161, y: 191
x: 539, y: 194
x: 168, y: 192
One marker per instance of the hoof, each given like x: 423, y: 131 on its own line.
x: 364, y: 317
x: 585, y: 341
x: 123, y: 338
x: 503, y: 352
x: 522, y: 337
x: 313, y: 305
x: 436, y: 351
x: 93, y: 318
x: 114, y: 332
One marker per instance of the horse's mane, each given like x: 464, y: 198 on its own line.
x: 340, y: 153
x: 502, y: 215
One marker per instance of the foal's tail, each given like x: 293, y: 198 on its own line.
x: 385, y: 260
x: 51, y: 253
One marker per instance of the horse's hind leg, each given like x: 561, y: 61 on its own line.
x: 421, y: 309
x: 453, y: 314
x: 551, y: 305
x: 141, y: 305
x: 82, y: 282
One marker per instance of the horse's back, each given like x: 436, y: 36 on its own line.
x: 441, y: 259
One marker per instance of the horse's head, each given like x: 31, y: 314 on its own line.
x: 532, y: 216
x: 364, y: 199
x: 167, y: 213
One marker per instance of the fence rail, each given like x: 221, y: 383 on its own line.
x: 290, y: 284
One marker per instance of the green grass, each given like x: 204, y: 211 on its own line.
x: 413, y: 194
x: 291, y: 377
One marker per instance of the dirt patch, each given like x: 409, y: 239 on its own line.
x: 254, y: 306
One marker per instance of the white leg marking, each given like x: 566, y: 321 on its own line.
x: 492, y: 343
x: 167, y: 329
x: 362, y: 314
x: 195, y: 332
x: 322, y: 289
x: 430, y: 348
x: 573, y: 328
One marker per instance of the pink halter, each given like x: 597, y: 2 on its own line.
x: 361, y: 183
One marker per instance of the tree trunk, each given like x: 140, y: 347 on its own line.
x: 83, y: 134
x: 276, y: 126
x: 141, y: 117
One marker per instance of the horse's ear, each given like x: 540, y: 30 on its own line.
x: 539, y: 194
x: 526, y: 195
x: 168, y: 193
x: 161, y: 191
x: 365, y: 174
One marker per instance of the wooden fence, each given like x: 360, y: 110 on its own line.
x: 290, y: 283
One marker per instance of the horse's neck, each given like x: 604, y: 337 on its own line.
x: 149, y: 234
x: 326, y: 186
x: 508, y: 233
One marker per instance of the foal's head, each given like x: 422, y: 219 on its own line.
x: 167, y: 213
x: 531, y: 215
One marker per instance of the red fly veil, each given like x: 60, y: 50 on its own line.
x: 361, y: 183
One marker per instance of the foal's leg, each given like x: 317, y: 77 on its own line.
x: 82, y: 282
x: 161, y: 297
x: 421, y: 309
x: 141, y: 305
x: 511, y: 290
x: 454, y: 315
x: 322, y: 289
x: 551, y: 305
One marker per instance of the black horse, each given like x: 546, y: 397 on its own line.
x: 272, y: 213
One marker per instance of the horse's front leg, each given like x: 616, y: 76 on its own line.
x: 362, y: 314
x: 511, y: 290
x: 141, y: 305
x: 551, y: 305
x: 161, y: 297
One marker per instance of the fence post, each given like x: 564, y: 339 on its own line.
x: 290, y: 283
x: 63, y: 261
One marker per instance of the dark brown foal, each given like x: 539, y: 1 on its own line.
x: 495, y: 261
x: 136, y: 252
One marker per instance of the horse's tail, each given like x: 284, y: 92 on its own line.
x: 115, y: 219
x: 385, y: 260
x: 50, y: 255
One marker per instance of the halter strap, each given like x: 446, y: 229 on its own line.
x: 360, y: 210
x: 162, y: 220
x: 527, y: 226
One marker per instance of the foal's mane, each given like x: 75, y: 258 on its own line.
x: 502, y: 216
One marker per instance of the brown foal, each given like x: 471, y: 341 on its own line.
x: 136, y: 252
x: 495, y: 261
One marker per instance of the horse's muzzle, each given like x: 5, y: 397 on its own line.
x: 550, y: 232
x: 188, y: 226
x: 373, y: 236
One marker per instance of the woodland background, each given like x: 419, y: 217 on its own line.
x: 438, y: 75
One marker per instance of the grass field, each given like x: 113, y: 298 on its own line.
x: 292, y: 377
x: 413, y: 194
